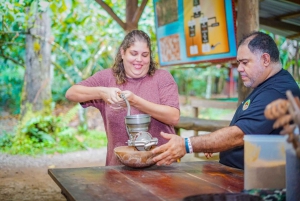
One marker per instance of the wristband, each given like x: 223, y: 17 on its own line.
x: 187, y: 149
x: 188, y: 145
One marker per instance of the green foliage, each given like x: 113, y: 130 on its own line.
x: 44, y: 133
x: 11, y: 82
x: 217, y: 114
x: 193, y: 81
x: 85, y: 39
x: 287, y: 50
x: 13, y: 18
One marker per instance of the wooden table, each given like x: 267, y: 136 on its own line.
x: 172, y: 182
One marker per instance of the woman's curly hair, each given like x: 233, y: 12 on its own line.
x: 130, y: 39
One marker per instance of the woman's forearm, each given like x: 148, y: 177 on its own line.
x: 79, y: 93
x: 166, y: 114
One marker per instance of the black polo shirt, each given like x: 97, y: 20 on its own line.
x: 249, y: 116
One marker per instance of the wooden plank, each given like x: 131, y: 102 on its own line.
x: 94, y: 183
x: 171, y: 183
x: 225, y: 177
x: 203, y: 103
x: 197, y: 124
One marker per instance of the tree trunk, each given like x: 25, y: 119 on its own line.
x: 247, y: 22
x: 37, y: 80
x: 131, y: 7
x: 133, y: 13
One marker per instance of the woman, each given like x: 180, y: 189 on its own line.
x: 147, y: 89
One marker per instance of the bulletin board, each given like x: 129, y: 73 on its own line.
x: 194, y: 31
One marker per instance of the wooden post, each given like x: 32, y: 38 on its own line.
x: 196, y: 114
x: 247, y: 22
x: 231, y: 82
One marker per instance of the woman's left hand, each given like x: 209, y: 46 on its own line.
x: 128, y: 95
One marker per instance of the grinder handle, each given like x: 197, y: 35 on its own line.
x: 127, y: 103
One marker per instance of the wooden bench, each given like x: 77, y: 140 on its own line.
x: 199, y: 124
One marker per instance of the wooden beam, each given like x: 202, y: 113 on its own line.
x: 293, y: 1
x: 278, y: 24
x: 247, y: 22
x: 293, y: 36
x: 111, y: 13
x: 197, y: 124
x: 288, y: 15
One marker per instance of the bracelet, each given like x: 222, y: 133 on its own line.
x: 187, y: 149
x: 188, y: 145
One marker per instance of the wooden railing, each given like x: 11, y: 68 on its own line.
x: 199, y: 124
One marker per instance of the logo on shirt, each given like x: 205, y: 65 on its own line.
x: 246, y: 104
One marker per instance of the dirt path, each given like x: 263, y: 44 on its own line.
x: 26, y: 178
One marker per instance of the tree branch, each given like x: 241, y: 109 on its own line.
x: 44, y: 84
x: 11, y: 59
x: 4, y: 25
x: 139, y: 11
x: 66, y: 75
x: 93, y: 59
x: 11, y: 43
x: 111, y: 13
x: 13, y: 32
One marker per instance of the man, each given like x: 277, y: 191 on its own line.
x: 260, y: 69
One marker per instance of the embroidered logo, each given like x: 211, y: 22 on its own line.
x: 246, y: 104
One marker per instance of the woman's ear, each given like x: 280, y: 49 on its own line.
x: 122, y: 53
x: 266, y: 59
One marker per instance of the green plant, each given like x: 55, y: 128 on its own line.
x: 44, y: 133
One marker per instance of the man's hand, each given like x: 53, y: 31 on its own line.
x: 208, y: 155
x: 171, y: 151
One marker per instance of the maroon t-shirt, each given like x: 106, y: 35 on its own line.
x: 159, y: 88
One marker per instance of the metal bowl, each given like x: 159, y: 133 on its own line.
x: 131, y: 157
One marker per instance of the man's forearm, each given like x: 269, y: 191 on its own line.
x: 220, y: 140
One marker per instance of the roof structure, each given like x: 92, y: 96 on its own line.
x: 281, y: 17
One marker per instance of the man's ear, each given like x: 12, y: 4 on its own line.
x: 266, y: 59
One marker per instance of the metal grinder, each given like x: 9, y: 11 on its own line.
x: 137, y: 129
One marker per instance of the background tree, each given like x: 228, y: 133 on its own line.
x: 37, y: 79
x: 133, y: 13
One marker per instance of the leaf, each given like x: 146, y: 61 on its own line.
x: 63, y: 7
x: 10, y: 17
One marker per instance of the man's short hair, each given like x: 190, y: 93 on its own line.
x: 261, y: 42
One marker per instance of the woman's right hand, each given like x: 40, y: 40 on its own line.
x: 111, y: 95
